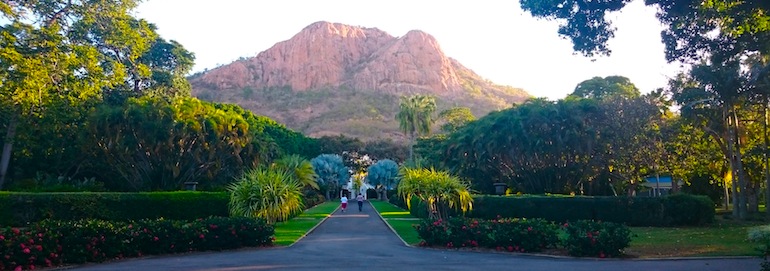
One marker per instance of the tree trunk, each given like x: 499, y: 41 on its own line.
x: 10, y: 134
x: 764, y: 155
x: 742, y: 177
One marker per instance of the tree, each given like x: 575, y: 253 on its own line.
x: 272, y: 194
x: 384, y: 175
x: 692, y: 27
x: 331, y: 172
x: 440, y: 191
x: 607, y: 87
x: 415, y: 117
x: 455, y: 118
x: 59, y: 54
x: 711, y: 96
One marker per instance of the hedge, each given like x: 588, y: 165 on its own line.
x: 672, y: 210
x: 22, y: 208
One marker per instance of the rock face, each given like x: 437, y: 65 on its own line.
x: 331, y: 56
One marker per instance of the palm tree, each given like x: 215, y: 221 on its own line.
x: 415, y: 117
x: 300, y: 168
x: 439, y: 190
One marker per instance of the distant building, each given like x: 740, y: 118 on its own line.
x: 659, y: 186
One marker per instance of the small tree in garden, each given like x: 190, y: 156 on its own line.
x: 331, y: 172
x: 439, y: 190
x: 300, y: 168
x: 272, y: 194
x: 384, y: 175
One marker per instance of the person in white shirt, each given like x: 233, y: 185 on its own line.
x: 344, y: 201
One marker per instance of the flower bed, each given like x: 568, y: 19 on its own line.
x: 52, y: 243
x: 582, y: 238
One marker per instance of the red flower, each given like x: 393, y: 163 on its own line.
x: 201, y: 236
x: 510, y: 248
x: 39, y: 248
x: 601, y: 254
x: 16, y: 231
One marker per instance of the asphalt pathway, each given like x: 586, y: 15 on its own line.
x: 362, y: 241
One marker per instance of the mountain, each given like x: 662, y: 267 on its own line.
x: 332, y: 79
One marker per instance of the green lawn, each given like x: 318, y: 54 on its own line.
x: 400, y: 219
x: 723, y: 238
x: 288, y: 232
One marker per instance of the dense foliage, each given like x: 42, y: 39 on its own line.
x: 52, y: 243
x: 273, y: 194
x: 581, y: 238
x: 331, y: 172
x: 441, y: 192
x: 21, y: 209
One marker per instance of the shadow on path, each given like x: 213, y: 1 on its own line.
x: 361, y: 241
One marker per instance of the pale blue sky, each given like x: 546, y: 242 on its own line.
x: 495, y: 38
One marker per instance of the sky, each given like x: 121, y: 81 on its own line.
x: 494, y: 38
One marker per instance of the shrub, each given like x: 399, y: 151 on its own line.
x: 596, y: 239
x: 522, y: 235
x: 440, y: 191
x: 679, y: 209
x: 272, y: 194
x: 51, y: 243
x: 22, y: 209
x: 685, y: 209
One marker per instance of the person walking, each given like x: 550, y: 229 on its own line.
x: 360, y: 199
x: 344, y: 202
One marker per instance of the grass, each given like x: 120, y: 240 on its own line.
x: 288, y: 232
x: 723, y: 238
x: 400, y: 219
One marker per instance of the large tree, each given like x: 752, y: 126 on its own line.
x: 692, y: 26
x: 62, y: 54
x: 415, y: 117
x: 607, y: 87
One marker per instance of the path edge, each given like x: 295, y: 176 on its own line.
x: 388, y: 224
x: 314, y: 227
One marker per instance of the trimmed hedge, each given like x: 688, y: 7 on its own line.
x: 21, y: 209
x: 672, y: 210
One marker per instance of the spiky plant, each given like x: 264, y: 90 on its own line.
x: 300, y: 168
x: 272, y: 194
x: 438, y: 189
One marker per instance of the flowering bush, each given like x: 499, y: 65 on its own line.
x: 523, y: 235
x: 50, y: 243
x: 519, y: 235
x: 596, y: 239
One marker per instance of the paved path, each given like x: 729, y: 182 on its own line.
x: 362, y: 241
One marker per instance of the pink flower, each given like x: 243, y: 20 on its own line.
x: 25, y: 250
x: 2, y: 238
x: 18, y: 268
x: 201, y: 236
x: 16, y: 231
x: 39, y: 248
x: 155, y: 238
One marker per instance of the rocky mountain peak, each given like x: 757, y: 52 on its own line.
x: 327, y: 56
